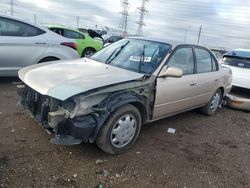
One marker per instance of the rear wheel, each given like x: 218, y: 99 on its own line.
x: 87, y: 52
x: 213, y: 104
x: 120, y: 131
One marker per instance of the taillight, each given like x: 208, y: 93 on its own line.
x: 70, y: 44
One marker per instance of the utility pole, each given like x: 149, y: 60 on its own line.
x: 199, y: 35
x: 124, y: 19
x: 35, y: 18
x: 12, y: 7
x: 185, y: 36
x: 77, y: 22
x: 142, y: 11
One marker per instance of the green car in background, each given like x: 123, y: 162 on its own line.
x: 86, y: 45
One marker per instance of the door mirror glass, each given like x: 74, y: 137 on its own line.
x: 171, y: 72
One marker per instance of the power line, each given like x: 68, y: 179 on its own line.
x: 142, y: 11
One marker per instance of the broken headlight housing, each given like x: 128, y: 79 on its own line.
x: 69, y: 105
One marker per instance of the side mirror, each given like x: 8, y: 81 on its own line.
x: 171, y: 72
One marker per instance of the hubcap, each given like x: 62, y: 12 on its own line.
x: 88, y: 53
x: 123, y: 131
x: 215, y: 102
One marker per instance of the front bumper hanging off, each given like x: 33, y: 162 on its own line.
x: 67, y: 131
x: 74, y: 131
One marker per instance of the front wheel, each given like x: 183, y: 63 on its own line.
x: 213, y: 104
x: 120, y: 131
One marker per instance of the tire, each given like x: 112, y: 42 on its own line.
x: 214, y: 103
x: 47, y: 59
x: 116, y: 136
x: 87, y: 52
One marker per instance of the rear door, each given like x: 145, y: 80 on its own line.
x: 208, y: 74
x: 21, y: 44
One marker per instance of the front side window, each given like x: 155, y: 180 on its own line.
x: 183, y: 59
x: 204, y: 60
x: 72, y: 34
x: 9, y: 27
x: 133, y: 54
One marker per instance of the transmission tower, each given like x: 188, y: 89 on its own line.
x: 142, y: 11
x: 124, y: 18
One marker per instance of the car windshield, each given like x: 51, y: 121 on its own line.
x: 133, y: 54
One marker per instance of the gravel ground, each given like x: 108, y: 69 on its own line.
x: 204, y: 152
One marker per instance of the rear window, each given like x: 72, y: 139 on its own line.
x: 72, y: 34
x: 236, y: 61
x: 14, y: 28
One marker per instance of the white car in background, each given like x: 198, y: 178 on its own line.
x: 238, y: 61
x: 23, y: 44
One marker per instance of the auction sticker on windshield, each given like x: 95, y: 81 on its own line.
x: 140, y: 58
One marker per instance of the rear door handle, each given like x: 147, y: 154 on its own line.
x: 193, y: 84
x: 40, y: 43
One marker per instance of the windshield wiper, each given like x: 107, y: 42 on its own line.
x: 109, y: 60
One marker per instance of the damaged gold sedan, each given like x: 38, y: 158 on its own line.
x: 108, y: 97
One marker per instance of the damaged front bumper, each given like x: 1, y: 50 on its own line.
x: 46, y: 111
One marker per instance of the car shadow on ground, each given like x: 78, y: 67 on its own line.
x: 148, y: 132
x: 9, y: 80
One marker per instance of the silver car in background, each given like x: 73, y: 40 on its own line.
x: 23, y: 44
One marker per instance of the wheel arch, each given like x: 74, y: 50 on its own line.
x: 115, y: 101
x: 88, y: 47
x: 48, y: 58
x: 222, y: 90
x: 141, y: 108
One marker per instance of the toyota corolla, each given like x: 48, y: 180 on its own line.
x: 108, y: 97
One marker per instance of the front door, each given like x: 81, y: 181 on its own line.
x: 174, y: 95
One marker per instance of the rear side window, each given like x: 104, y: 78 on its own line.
x: 214, y: 64
x: 204, y: 61
x: 57, y: 30
x: 183, y: 59
x: 72, y: 34
x: 9, y: 27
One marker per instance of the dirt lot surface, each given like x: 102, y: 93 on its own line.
x: 204, y: 152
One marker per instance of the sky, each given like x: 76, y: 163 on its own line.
x: 225, y: 23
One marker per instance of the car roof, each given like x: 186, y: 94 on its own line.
x: 22, y: 20
x: 62, y: 27
x: 164, y: 40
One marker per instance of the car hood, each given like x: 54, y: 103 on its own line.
x: 62, y: 80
